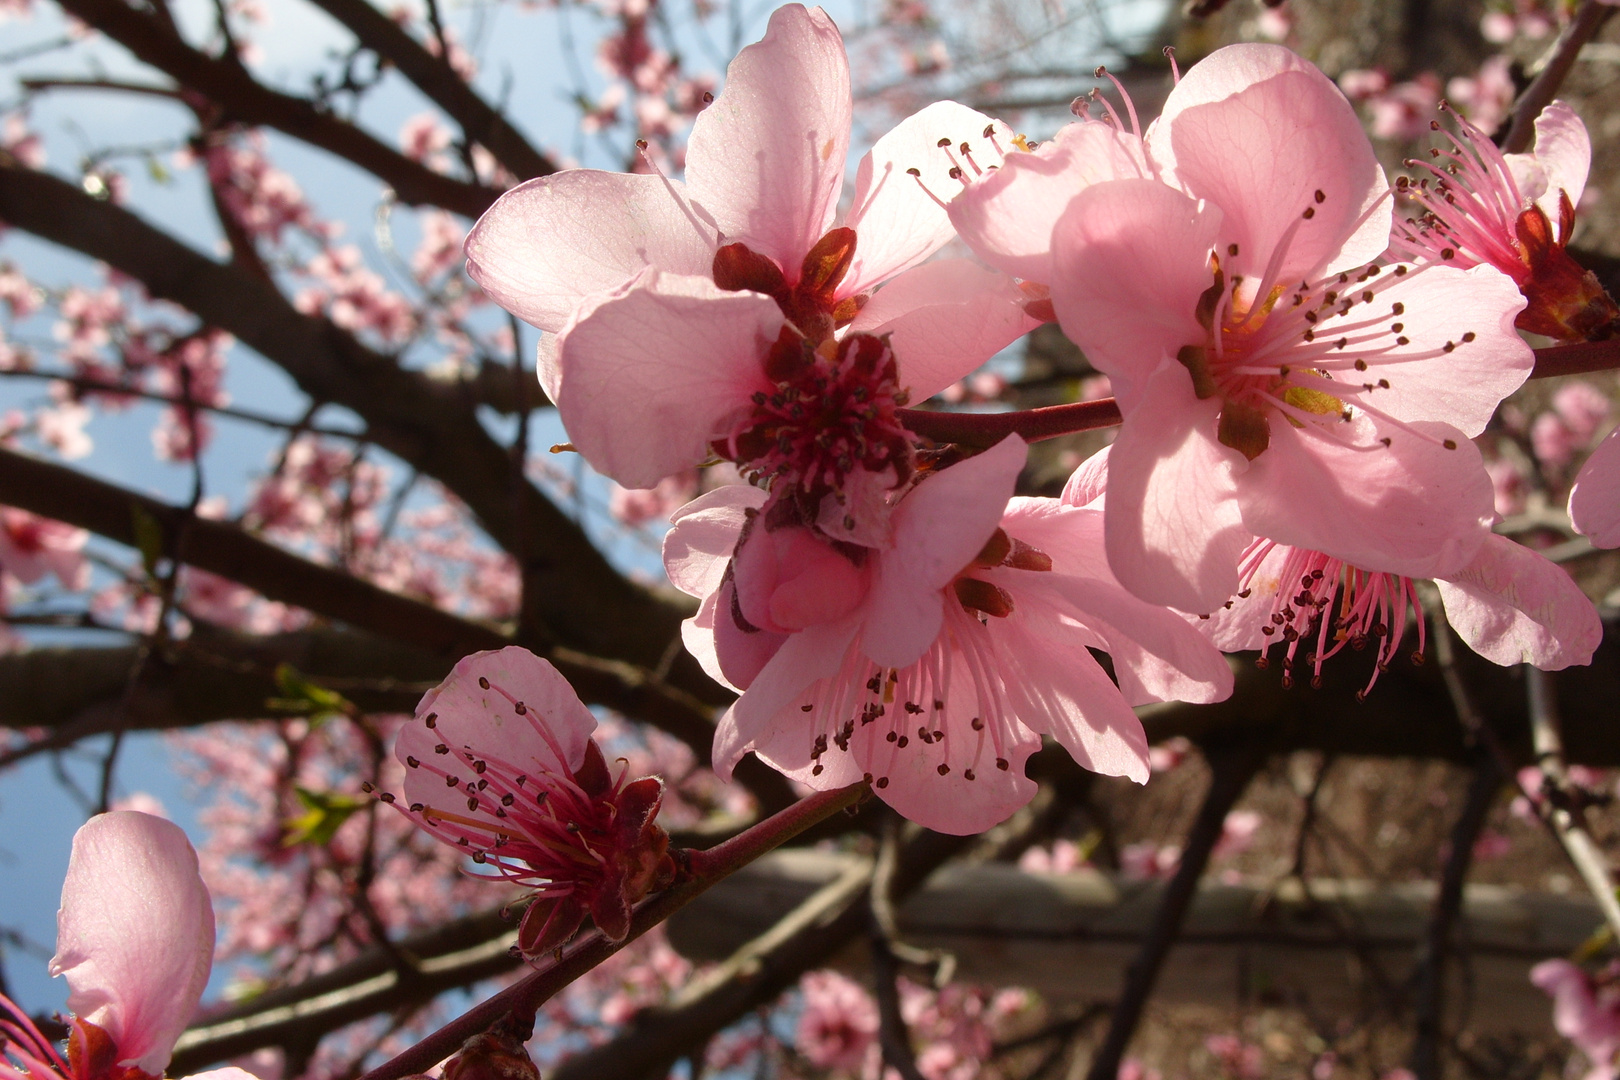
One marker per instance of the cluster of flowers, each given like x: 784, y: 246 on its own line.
x: 1300, y: 371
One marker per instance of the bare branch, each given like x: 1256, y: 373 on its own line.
x: 480, y: 123
x: 1429, y: 975
x: 242, y: 98
x: 1232, y: 767
x: 1588, y: 19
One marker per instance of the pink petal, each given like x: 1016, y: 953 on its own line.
x: 1007, y: 217
x: 1559, y: 162
x: 1064, y: 693
x: 466, y: 714
x: 938, y: 528
x: 547, y: 367
x: 945, y: 318
x: 698, y: 635
x: 788, y: 579
x: 1137, y: 247
x: 1235, y: 626
x: 1514, y: 607
x: 1463, y: 387
x: 548, y: 244
x: 766, y: 159
x: 1594, y: 501
x: 1414, y: 508
x: 1088, y: 485
x: 651, y: 373
x: 1259, y: 131
x: 703, y: 534
x: 900, y: 219
x: 229, y: 1072
x: 1173, y: 529
x: 740, y: 654
x: 804, y: 658
x: 1157, y: 655
x: 135, y: 933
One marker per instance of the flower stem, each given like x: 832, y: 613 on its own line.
x: 522, y: 998
x: 986, y: 429
x: 1577, y: 359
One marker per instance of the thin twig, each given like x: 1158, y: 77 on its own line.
x: 1562, y: 806
x: 1429, y: 976
x: 894, y: 1037
x: 1232, y: 768
x: 706, y: 868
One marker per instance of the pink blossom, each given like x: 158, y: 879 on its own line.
x: 1146, y: 860
x: 423, y: 138
x: 1486, y: 97
x: 677, y: 308
x: 32, y: 546
x: 1401, y: 112
x: 502, y: 765
x: 839, y: 1021
x: 1477, y: 205
x: 1333, y: 413
x: 1594, y: 501
x: 135, y: 940
x: 1508, y: 603
x: 1584, y: 1012
x: 1239, y: 1059
x: 931, y: 664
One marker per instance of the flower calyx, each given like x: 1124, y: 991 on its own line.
x: 1566, y: 302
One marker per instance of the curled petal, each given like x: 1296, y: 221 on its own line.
x: 1559, y: 162
x: 135, y: 934
x: 1514, y: 607
x: 703, y: 535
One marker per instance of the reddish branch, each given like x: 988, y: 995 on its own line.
x: 1539, y: 94
x: 709, y: 867
x: 480, y: 123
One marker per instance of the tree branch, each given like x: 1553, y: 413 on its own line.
x: 1539, y: 94
x: 242, y: 98
x: 1232, y: 767
x: 480, y: 123
x: 1430, y: 973
x: 584, y: 602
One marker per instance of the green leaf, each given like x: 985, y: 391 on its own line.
x: 148, y: 537
x: 324, y: 814
x: 304, y: 698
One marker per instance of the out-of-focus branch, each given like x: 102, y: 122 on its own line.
x: 1580, y: 358
x: 1429, y: 976
x: 1563, y: 809
x: 480, y: 123
x: 758, y: 972
x: 240, y: 97
x: 219, y: 547
x: 582, y: 600
x: 1588, y: 19
x: 1231, y: 769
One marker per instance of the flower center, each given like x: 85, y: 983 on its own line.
x: 835, y: 411
x: 1305, y: 352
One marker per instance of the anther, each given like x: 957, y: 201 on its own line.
x: 1450, y: 444
x: 483, y: 683
x: 944, y: 769
x: 431, y: 719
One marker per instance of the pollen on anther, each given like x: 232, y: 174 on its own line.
x: 1310, y: 212
x: 1003, y: 764
x: 943, y: 143
x: 913, y: 172
x: 882, y: 782
x: 944, y: 769
x: 1321, y: 196
x: 483, y: 683
x: 1450, y: 444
